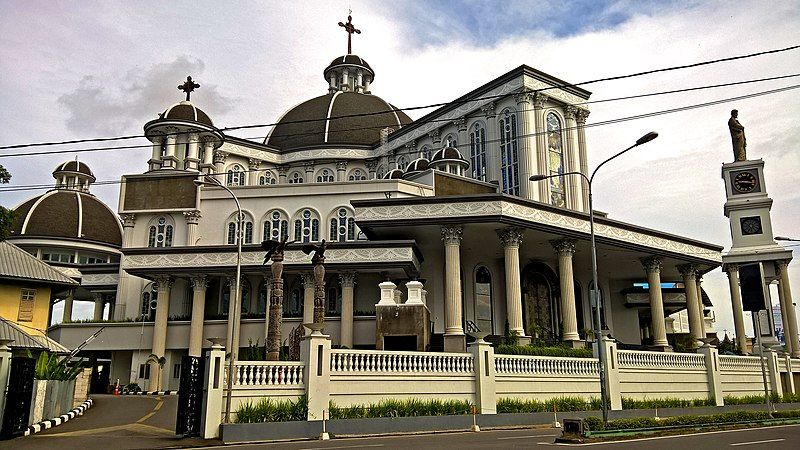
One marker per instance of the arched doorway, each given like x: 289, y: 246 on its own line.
x: 540, y: 312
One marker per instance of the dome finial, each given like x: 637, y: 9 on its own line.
x: 188, y: 86
x: 350, y: 29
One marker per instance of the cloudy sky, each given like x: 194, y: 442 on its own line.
x: 74, y: 70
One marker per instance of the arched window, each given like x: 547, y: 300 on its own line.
x: 380, y: 172
x: 426, y: 152
x: 483, y: 299
x: 477, y: 151
x: 509, y: 158
x: 149, y: 294
x: 266, y: 178
x: 295, y: 178
x: 357, y: 175
x: 160, y: 233
x: 402, y: 162
x: 226, y: 296
x: 333, y: 301
x: 555, y: 160
x: 293, y: 306
x: 236, y: 175
x: 342, y: 227
x: 230, y: 230
x: 325, y: 176
x: 450, y: 141
x: 306, y: 227
x: 276, y: 226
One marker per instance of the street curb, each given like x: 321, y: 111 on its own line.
x: 150, y: 393
x: 47, y: 424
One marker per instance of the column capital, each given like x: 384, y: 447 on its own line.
x: 282, y: 170
x: 511, y: 236
x: 254, y: 163
x: 731, y: 267
x: 651, y: 264
x: 193, y: 137
x: 525, y: 96
x: 371, y: 164
x: 164, y: 282
x: 219, y: 156
x: 347, y: 279
x: 688, y: 270
x: 488, y: 110
x: 308, y: 280
x: 461, y: 124
x: 156, y: 137
x: 410, y: 146
x: 309, y: 166
x: 563, y: 246
x: 435, y: 135
x: 539, y: 100
x: 192, y: 217
x: 341, y: 165
x: 782, y: 264
x: 581, y: 115
x: 128, y: 220
x: 199, y: 282
x: 452, y: 234
x: 97, y: 296
x: 570, y: 112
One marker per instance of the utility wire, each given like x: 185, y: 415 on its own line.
x: 589, y: 125
x: 433, y: 105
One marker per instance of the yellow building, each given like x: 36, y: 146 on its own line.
x: 27, y: 286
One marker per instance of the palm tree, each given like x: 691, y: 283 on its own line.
x: 160, y: 360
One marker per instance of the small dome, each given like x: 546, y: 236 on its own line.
x: 186, y: 110
x: 447, y: 154
x: 74, y: 167
x: 68, y: 214
x: 349, y: 61
x: 394, y: 174
x: 416, y: 166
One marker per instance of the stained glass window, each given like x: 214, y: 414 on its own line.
x: 160, y: 234
x: 555, y: 160
x: 342, y: 228
x: 477, y: 147
x: 296, y: 178
x: 357, y: 175
x: 266, y: 178
x: 306, y: 228
x: 276, y: 227
x: 326, y: 176
x: 509, y: 157
x: 236, y: 176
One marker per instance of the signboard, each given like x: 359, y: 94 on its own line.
x: 751, y: 281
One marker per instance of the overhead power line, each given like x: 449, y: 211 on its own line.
x: 433, y: 105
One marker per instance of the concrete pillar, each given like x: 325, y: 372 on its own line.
x: 492, y: 143
x: 5, y: 368
x: 213, y: 397
x: 784, y: 319
x: 160, y: 329
x: 199, y: 285
x: 348, y: 283
x: 387, y: 293
x: 219, y: 162
x: 341, y: 169
x: 234, y: 329
x: 700, y: 306
x: 308, y: 297
x: 67, y: 316
x: 99, y: 305
x: 485, y: 389
x: 454, y: 340
x: 689, y: 273
x: 512, y: 239
x: 789, y: 379
x: 565, y: 248
x: 539, y: 101
x: 580, y: 119
x: 713, y: 374
x: 652, y: 266
x: 786, y: 289
x: 252, y: 172
x: 192, y: 225
x: 315, y: 352
x: 525, y: 144
x: 736, y: 302
x: 170, y: 160
x: 155, y: 160
x: 773, y: 372
x: 574, y: 194
x: 611, y: 369
x: 415, y: 296
x: 282, y: 170
x: 120, y: 313
x: 192, y: 162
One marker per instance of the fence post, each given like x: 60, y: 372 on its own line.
x: 713, y: 375
x: 214, y: 380
x: 611, y: 367
x: 790, y: 389
x: 315, y: 352
x: 5, y: 368
x: 774, y: 372
x: 485, y: 389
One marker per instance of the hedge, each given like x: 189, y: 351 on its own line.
x: 268, y: 410
x: 596, y: 423
x: 531, y: 350
x: 402, y: 408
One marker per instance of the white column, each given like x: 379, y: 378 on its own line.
x: 652, y: 267
x: 219, y: 162
x: 170, y: 160
x: 252, y: 173
x: 199, y: 285
x: 308, y: 297
x: 689, y: 273
x: 700, y: 306
x: 526, y: 144
x: 309, y: 168
x: 120, y: 313
x: 213, y: 397
x: 98, y: 306
x: 208, y: 154
x: 461, y: 128
x: 160, y: 329
x: 192, y: 161
x: 341, y: 168
x: 569, y: 319
x: 155, y: 160
x: 580, y: 119
x: 492, y: 143
x: 539, y: 101
x: 282, y: 170
x: 348, y: 282
x: 192, y: 224
x: 736, y: 302
x: 512, y: 239
x: 454, y: 340
x: 786, y: 298
x: 574, y: 194
x: 485, y: 388
x: 371, y: 168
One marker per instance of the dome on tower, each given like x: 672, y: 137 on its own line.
x: 416, y: 166
x: 351, y: 62
x: 186, y: 111
x: 73, y: 168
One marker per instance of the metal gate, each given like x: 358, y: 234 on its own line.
x: 190, y: 396
x: 18, y: 397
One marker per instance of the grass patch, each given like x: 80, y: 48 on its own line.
x: 402, y: 408
x: 534, y: 350
x: 596, y: 423
x: 268, y: 410
x: 629, y: 403
x: 561, y: 404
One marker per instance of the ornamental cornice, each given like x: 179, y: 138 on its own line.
x: 99, y: 279
x: 558, y: 94
x: 651, y: 264
x: 510, y: 237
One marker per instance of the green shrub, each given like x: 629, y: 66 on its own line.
x: 268, y: 410
x: 132, y: 387
x: 52, y: 367
x: 596, y: 424
x: 531, y: 350
x: 561, y: 404
x: 759, y: 399
x: 629, y: 403
x: 402, y: 408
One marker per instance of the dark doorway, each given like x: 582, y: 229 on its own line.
x: 540, y: 291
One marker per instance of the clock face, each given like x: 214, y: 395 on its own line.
x: 745, y: 182
x: 751, y: 225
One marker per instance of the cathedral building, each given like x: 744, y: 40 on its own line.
x: 444, y: 201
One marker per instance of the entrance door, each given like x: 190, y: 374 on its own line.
x: 537, y: 303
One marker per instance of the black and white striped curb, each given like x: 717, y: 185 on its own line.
x: 149, y: 393
x: 47, y: 424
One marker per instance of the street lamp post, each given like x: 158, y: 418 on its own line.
x: 595, y: 294
x: 237, y: 307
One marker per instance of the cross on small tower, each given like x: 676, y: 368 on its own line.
x: 188, y: 86
x: 350, y: 29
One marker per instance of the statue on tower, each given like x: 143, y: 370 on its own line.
x: 737, y: 137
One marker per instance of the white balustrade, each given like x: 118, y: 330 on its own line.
x: 514, y: 364
x: 739, y: 363
x: 632, y: 359
x: 372, y: 361
x: 268, y: 373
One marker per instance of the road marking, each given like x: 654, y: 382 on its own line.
x: 153, y: 412
x: 757, y: 442
x: 136, y: 427
x: 344, y: 446
x: 528, y: 437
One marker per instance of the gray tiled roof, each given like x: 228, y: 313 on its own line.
x: 23, y: 339
x: 18, y: 264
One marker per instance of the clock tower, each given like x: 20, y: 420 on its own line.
x: 748, y: 208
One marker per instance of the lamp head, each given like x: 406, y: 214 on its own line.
x: 647, y: 138
x: 198, y: 182
x: 537, y: 177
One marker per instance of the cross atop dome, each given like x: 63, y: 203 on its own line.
x: 188, y: 86
x: 350, y: 29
